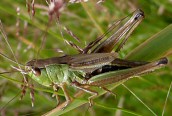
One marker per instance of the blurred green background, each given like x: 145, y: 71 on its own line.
x: 88, y: 21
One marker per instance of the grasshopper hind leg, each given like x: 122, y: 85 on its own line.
x: 117, y: 64
x: 107, y: 90
x: 68, y: 99
x: 80, y: 86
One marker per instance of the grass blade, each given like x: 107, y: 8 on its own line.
x: 156, y: 47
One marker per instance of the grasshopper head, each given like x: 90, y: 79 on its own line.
x: 33, y: 70
x: 37, y: 74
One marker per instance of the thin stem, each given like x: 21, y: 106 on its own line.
x: 92, y: 17
x: 140, y: 100
x: 168, y: 93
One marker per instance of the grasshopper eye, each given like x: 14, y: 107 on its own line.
x: 36, y: 71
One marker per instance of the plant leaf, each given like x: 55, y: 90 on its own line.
x: 159, y: 45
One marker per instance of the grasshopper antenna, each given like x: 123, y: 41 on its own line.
x: 10, y: 59
x: 60, y: 28
x: 16, y: 69
x: 8, y: 72
x: 43, y: 39
x: 6, y: 40
x: 54, y: 8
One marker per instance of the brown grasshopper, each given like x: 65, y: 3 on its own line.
x: 96, y: 65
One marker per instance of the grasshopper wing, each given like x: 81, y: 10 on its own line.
x: 84, y: 62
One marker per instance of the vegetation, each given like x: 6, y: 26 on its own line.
x: 88, y: 21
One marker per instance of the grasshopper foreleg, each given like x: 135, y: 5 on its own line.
x: 32, y: 94
x: 56, y: 88
x: 24, y: 86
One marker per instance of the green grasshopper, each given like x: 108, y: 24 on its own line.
x: 96, y: 65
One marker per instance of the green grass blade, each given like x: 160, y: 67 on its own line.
x: 124, y: 110
x: 58, y: 111
x: 159, y: 45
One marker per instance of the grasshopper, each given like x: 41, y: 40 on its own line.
x: 96, y: 65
